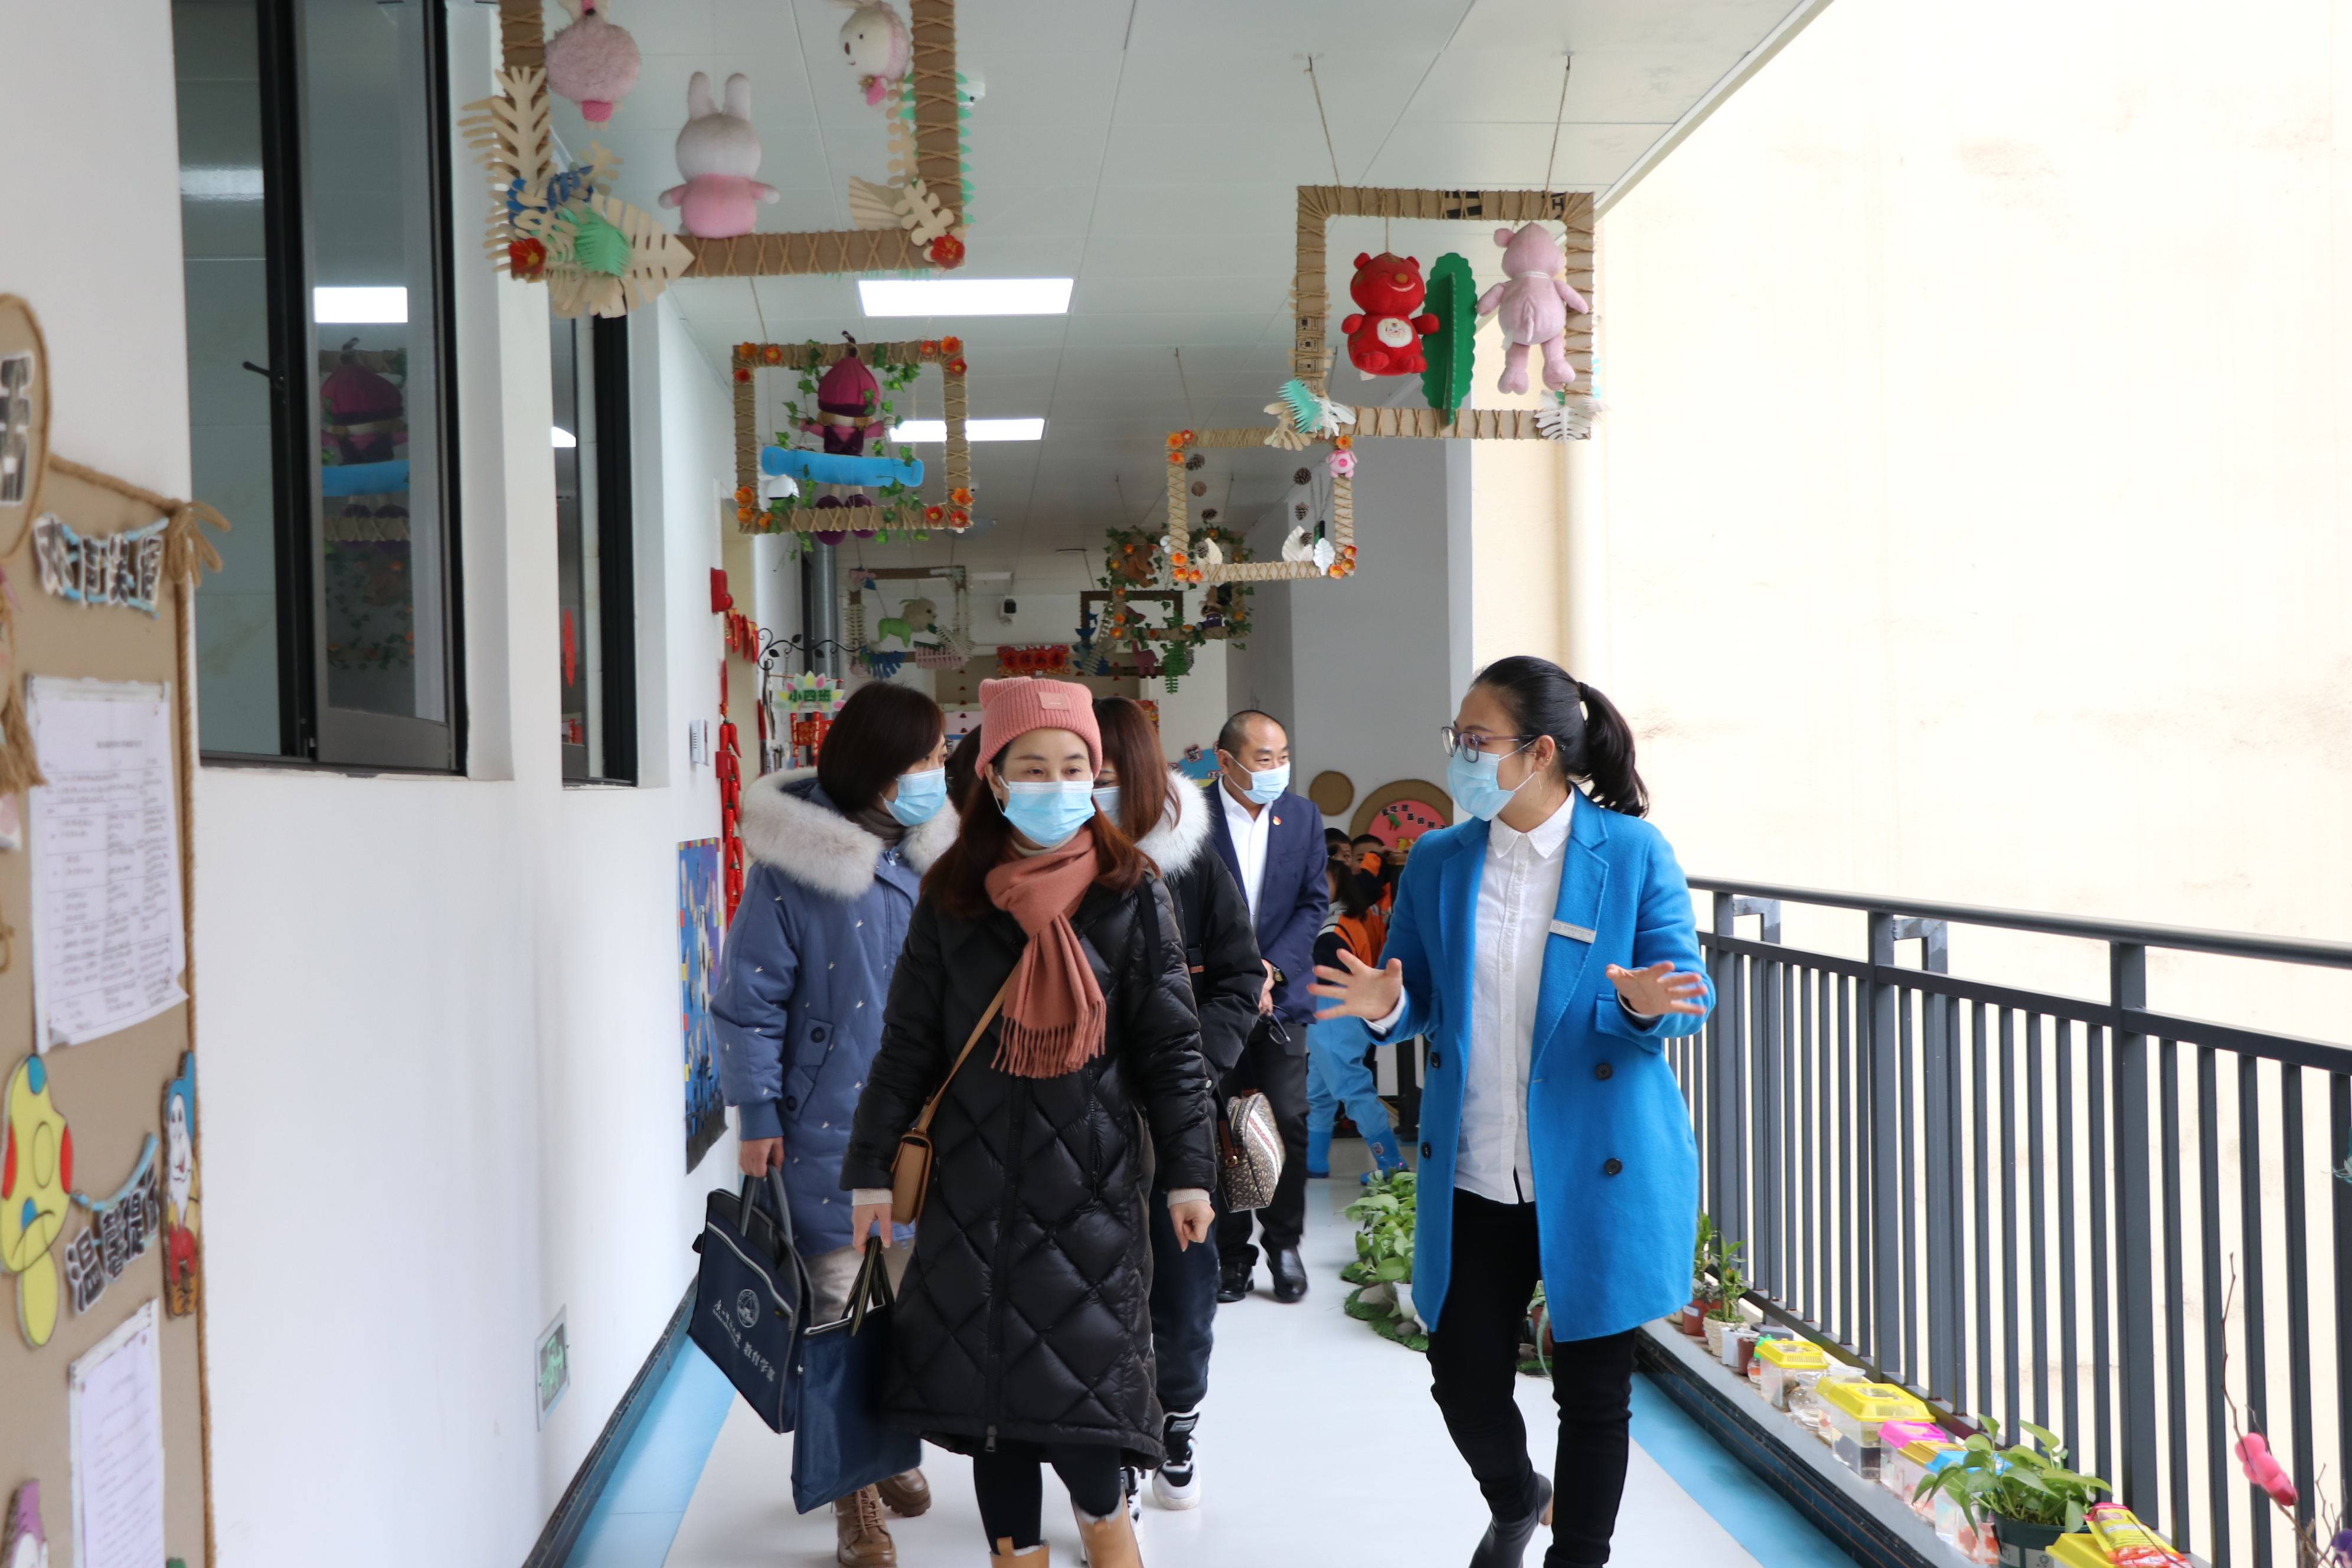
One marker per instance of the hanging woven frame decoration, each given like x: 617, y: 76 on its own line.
x: 761, y: 505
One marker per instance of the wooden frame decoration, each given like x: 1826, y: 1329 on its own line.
x: 750, y: 359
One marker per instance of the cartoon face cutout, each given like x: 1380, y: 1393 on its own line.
x: 35, y: 1176
x: 179, y: 1152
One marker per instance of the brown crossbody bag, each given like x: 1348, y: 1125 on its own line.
x: 910, y: 1172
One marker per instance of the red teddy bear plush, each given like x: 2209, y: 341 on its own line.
x: 1384, y: 337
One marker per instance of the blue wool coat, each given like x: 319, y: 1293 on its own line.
x: 1616, y: 1245
x: 803, y: 979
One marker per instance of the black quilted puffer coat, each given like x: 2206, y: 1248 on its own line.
x: 1025, y: 1314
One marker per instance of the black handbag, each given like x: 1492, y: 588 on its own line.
x: 841, y: 1445
x: 751, y: 1294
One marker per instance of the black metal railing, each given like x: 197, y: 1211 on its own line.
x: 2027, y: 1207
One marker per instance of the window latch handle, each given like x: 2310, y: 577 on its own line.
x: 264, y: 372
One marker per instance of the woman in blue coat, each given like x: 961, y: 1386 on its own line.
x: 1546, y: 949
x: 838, y: 852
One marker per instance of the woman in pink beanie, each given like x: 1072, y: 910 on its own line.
x: 1022, y: 1334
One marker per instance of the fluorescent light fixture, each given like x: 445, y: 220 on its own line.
x: 564, y: 437
x: 965, y: 296
x: 359, y: 306
x: 935, y: 431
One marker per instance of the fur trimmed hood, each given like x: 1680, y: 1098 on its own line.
x: 788, y: 824
x: 1174, y: 844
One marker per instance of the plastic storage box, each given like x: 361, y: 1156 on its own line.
x: 1786, y: 1364
x: 1857, y: 1410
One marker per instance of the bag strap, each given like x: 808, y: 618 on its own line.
x: 872, y: 1286
x: 932, y: 1106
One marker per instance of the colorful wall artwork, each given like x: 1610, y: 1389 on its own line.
x: 702, y: 896
x: 36, y: 1176
x: 23, y: 1543
x: 1401, y: 812
x: 121, y: 1229
x: 181, y: 1200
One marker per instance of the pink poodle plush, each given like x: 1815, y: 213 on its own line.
x: 718, y: 151
x: 1534, y: 302
x: 592, y: 62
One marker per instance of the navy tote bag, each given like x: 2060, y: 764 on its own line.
x: 750, y: 1295
x: 841, y: 1443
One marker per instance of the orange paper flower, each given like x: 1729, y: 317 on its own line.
x: 744, y: 514
x: 947, y: 251
x: 1343, y: 442
x: 745, y: 495
x: 746, y: 351
x: 950, y: 345
x: 1175, y: 438
x: 1175, y: 459
x: 956, y: 365
x: 526, y: 258
x: 960, y: 496
x: 958, y: 517
x: 743, y: 372
x: 933, y: 513
x: 773, y: 354
x: 930, y: 348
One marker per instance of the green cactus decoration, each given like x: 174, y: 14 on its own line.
x: 1453, y: 300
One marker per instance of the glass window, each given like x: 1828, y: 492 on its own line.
x: 314, y: 186
x: 597, y: 616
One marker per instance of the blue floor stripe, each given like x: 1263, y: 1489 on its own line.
x: 1756, y: 1516
x: 634, y: 1521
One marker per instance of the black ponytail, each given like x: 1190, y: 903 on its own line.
x: 1595, y: 742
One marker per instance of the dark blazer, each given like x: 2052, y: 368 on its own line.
x: 1291, y: 900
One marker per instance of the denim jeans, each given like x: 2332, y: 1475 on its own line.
x: 1337, y: 1076
x: 1183, y: 1309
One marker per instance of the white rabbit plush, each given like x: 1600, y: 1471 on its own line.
x: 718, y: 151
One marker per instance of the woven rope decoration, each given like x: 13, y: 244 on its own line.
x: 750, y: 359
x: 1180, y: 534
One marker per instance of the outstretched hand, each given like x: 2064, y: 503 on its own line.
x: 1659, y: 990
x: 1357, y: 989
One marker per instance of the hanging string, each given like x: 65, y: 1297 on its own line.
x: 1189, y: 418
x: 1326, y: 118
x: 1557, y: 114
x: 754, y: 284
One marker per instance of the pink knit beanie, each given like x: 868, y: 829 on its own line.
x: 1018, y: 704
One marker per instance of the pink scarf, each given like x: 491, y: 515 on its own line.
x: 1053, y: 1013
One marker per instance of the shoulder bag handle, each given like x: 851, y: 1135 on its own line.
x: 872, y: 1285
x: 932, y: 1106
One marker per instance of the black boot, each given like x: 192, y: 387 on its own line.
x: 1233, y: 1277
x: 1289, y: 1274
x: 1506, y: 1540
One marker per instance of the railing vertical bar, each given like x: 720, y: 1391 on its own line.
x: 1954, y: 1200
x: 1983, y: 1162
x: 2010, y: 1296
x: 1722, y: 1028
x: 2135, y: 1248
x: 1768, y: 1127
x: 2249, y: 1279
x: 1883, y: 1328
x: 1943, y: 1279
x: 1849, y: 1221
x: 1907, y: 1094
x: 2218, y: 1481
x: 2062, y: 1043
x: 2339, y: 1122
x: 2298, y: 1287
x: 2037, y: 1239
x: 2103, y: 1385
x: 1788, y: 989
x: 2176, y: 1315
x: 1810, y: 1192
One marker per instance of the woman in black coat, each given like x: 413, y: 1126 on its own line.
x: 1022, y: 1333
x: 1167, y: 815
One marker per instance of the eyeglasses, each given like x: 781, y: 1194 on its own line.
x: 1458, y: 744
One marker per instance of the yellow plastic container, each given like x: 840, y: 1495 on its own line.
x: 1860, y: 1409
x: 2078, y: 1551
x: 1786, y: 1364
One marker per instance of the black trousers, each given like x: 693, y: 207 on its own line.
x: 1271, y: 1069
x: 1183, y: 1310
x: 1011, y: 1487
x: 1474, y: 1366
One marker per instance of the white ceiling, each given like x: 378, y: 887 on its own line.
x: 1152, y: 149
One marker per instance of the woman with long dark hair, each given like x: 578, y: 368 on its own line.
x: 1022, y: 1334
x: 1546, y: 948
x: 1167, y: 815
x: 836, y: 851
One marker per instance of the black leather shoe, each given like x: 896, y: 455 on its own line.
x: 1234, y: 1278
x: 1505, y: 1542
x: 1289, y: 1275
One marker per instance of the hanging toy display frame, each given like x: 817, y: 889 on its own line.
x: 758, y: 512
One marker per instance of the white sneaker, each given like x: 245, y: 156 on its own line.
x: 1176, y: 1484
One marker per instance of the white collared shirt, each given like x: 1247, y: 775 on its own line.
x: 1249, y: 841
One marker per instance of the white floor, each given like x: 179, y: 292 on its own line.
x: 1319, y: 1444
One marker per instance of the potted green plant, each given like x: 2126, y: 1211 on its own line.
x: 2027, y: 1492
x: 1692, y: 1318
x: 1723, y: 1314
x: 1384, y: 1265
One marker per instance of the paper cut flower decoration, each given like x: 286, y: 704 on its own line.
x: 742, y: 514
x: 956, y: 365
x: 947, y: 251
x: 960, y: 496
x: 526, y: 259
x: 746, y: 351
x: 743, y: 372
x: 950, y: 345
x: 930, y: 348
x: 771, y: 353
x: 934, y: 513
x: 745, y: 495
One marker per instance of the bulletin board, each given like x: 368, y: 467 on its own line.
x: 92, y: 1216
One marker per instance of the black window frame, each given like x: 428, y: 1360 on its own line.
x: 311, y: 733
x: 607, y: 342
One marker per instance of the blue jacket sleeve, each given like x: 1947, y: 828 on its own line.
x: 1293, y: 950
x: 757, y: 976
x: 1664, y: 928
x: 1416, y: 900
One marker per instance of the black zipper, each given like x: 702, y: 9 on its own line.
x: 995, y: 1346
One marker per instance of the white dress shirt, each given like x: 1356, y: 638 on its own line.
x: 1249, y: 841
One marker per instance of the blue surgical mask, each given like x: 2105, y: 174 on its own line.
x: 1107, y: 801
x: 1473, y: 783
x: 920, y: 796
x: 1266, y: 786
x: 1048, y: 811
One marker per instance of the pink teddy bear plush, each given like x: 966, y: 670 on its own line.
x: 1534, y: 302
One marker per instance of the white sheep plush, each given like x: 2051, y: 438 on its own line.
x: 718, y: 152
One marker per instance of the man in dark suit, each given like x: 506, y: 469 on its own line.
x: 1272, y: 842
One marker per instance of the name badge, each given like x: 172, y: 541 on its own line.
x: 1573, y: 933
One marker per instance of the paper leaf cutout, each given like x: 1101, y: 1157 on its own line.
x: 1453, y: 300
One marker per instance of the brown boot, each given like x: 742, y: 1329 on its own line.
x: 863, y: 1542
x: 907, y: 1495
x: 1005, y: 1557
x: 1111, y: 1543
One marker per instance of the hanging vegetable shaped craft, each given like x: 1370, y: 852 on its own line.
x: 1385, y: 331
x: 592, y: 61
x: 1531, y: 305
x: 848, y: 406
x: 717, y: 154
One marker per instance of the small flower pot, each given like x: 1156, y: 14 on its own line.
x: 1743, y: 1350
x: 1715, y: 1327
x: 1694, y: 1321
x: 2021, y: 1541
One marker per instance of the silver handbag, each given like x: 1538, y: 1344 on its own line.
x: 1249, y: 1148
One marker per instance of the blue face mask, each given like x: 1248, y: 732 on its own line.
x: 920, y: 796
x: 1107, y: 801
x: 1473, y: 783
x: 1048, y: 811
x: 1265, y: 787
